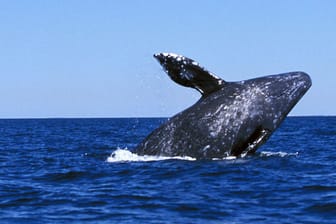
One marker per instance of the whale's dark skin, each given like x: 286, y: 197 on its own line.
x: 230, y: 119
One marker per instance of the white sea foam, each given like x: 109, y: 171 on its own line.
x: 124, y: 155
x: 225, y: 158
x: 281, y: 154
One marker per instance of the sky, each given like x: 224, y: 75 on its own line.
x: 68, y: 58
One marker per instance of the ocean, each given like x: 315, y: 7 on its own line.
x: 84, y: 171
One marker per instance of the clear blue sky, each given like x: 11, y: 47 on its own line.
x: 94, y: 58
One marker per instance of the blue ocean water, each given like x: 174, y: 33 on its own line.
x: 62, y: 171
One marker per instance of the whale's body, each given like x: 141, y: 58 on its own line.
x: 231, y: 118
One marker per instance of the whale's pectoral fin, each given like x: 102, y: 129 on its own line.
x: 258, y: 138
x: 199, y: 78
x: 189, y: 73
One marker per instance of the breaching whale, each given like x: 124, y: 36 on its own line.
x: 230, y: 119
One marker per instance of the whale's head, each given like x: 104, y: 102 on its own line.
x: 255, y: 108
x: 276, y: 95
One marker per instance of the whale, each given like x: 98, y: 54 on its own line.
x: 230, y: 118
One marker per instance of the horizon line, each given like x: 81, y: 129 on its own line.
x: 124, y: 117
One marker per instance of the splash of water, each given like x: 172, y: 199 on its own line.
x: 124, y: 155
x: 280, y: 154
